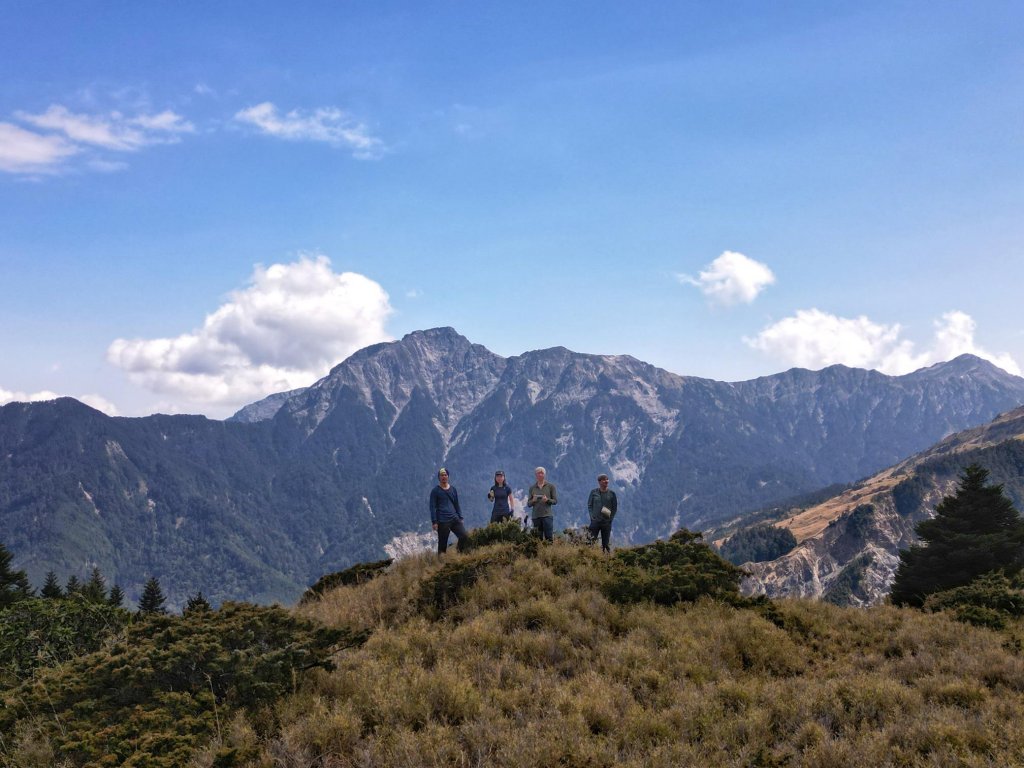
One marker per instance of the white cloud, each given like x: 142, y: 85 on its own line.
x: 282, y: 331
x: 413, y: 293
x: 732, y: 278
x: 326, y: 124
x: 114, y: 130
x: 23, y: 151
x: 98, y: 402
x: 815, y: 339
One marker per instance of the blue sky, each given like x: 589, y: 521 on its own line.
x: 722, y: 189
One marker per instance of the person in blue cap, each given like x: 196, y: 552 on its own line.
x: 445, y: 513
x: 501, y: 495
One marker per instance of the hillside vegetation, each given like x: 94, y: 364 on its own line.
x: 520, y: 654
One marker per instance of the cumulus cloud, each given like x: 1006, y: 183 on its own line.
x: 23, y: 151
x: 326, y: 124
x: 98, y: 402
x: 113, y: 130
x: 732, y: 278
x: 284, y: 330
x: 815, y: 339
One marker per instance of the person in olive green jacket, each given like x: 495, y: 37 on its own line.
x: 602, y: 505
x: 541, y: 497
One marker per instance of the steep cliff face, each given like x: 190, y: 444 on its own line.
x: 849, y: 546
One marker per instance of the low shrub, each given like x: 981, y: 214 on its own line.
x: 681, y: 569
x: 988, y: 601
x: 360, y: 573
x: 36, y: 632
x: 168, y: 684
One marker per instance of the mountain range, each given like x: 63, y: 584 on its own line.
x: 309, y: 481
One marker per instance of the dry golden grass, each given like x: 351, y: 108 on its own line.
x: 535, y: 667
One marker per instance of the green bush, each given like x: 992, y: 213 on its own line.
x: 360, y: 573
x: 508, y: 532
x: 41, y: 632
x: 168, y: 684
x: 988, y: 601
x: 681, y: 569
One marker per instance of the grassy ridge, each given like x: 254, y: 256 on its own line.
x: 519, y: 654
x: 533, y: 665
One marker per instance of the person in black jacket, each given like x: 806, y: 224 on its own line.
x: 602, y: 505
x: 445, y: 513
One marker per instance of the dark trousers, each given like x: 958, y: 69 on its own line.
x: 500, y: 517
x: 545, y: 526
x: 604, y: 525
x: 445, y: 529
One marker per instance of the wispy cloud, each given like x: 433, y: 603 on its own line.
x: 25, y: 152
x: 325, y: 124
x: 55, y: 137
x: 730, y: 279
x: 282, y: 331
x: 113, y: 130
x: 814, y: 339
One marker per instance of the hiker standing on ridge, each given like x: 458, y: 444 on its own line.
x: 541, y: 497
x: 501, y: 495
x: 602, y: 505
x: 445, y: 514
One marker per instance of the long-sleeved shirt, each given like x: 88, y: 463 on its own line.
x: 444, y: 505
x: 598, y: 499
x: 542, y: 508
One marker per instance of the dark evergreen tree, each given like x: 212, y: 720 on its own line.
x: 197, y: 603
x: 974, y: 531
x: 73, y: 586
x: 116, y: 597
x: 152, y: 597
x: 14, y: 584
x: 51, y: 587
x: 95, y: 589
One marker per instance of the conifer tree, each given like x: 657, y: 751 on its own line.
x: 197, y: 603
x: 95, y: 589
x: 51, y: 587
x: 116, y: 597
x: 152, y: 597
x: 14, y: 584
x: 73, y: 586
x: 974, y: 531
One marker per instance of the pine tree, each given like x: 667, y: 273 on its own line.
x: 197, y: 603
x: 51, y: 587
x: 95, y: 589
x: 974, y: 531
x: 152, y: 597
x: 14, y: 584
x: 116, y: 597
x: 73, y: 586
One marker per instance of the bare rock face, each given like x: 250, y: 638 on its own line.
x: 849, y: 545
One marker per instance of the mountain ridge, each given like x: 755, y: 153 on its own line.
x: 341, y: 471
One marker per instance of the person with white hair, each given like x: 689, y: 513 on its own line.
x: 541, y: 497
